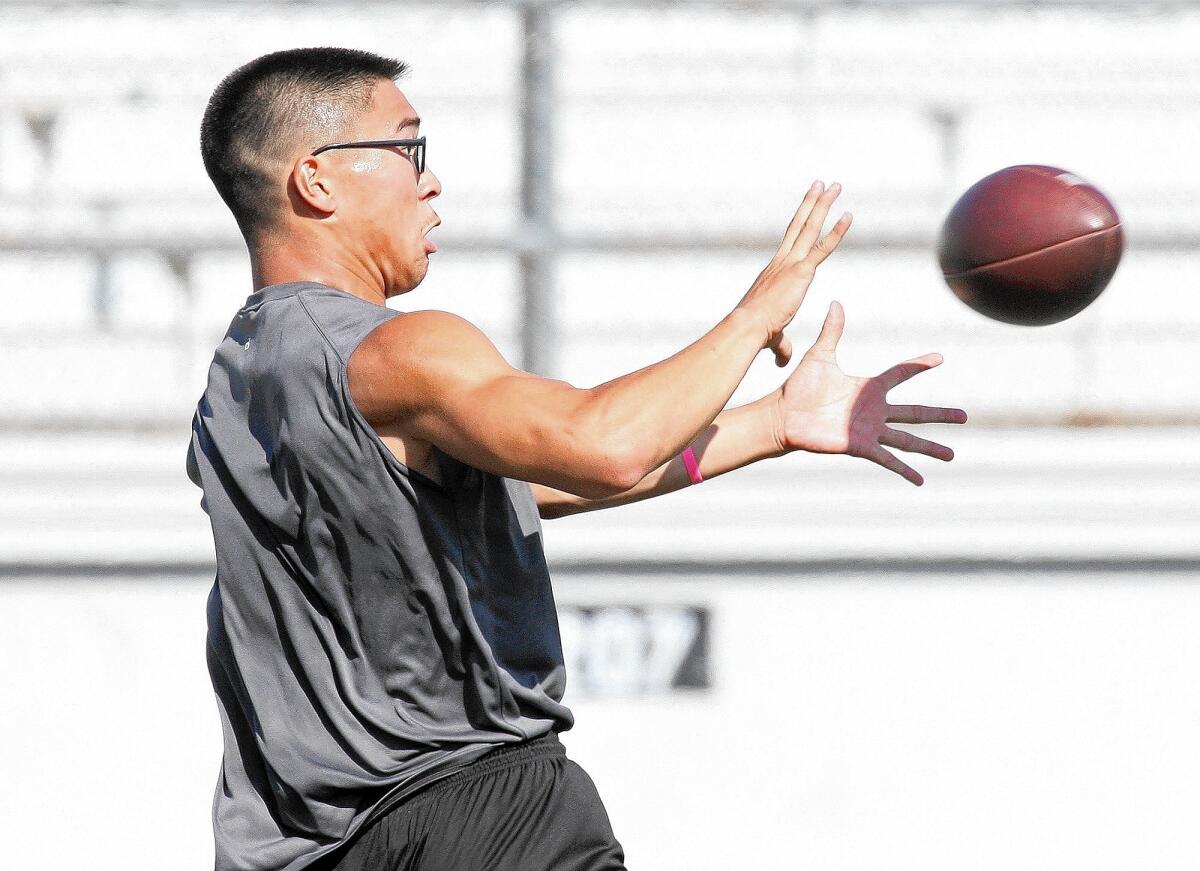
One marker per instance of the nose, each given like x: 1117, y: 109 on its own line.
x: 429, y: 185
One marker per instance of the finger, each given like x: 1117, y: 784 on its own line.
x: 815, y: 222
x: 829, y: 242
x: 782, y: 347
x: 797, y: 223
x: 831, y: 330
x: 925, y: 414
x: 906, y: 441
x: 901, y: 372
x: 888, y: 460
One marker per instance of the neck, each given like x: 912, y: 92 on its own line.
x: 300, y: 259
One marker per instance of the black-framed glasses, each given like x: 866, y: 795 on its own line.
x: 416, y: 148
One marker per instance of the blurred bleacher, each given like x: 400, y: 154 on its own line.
x: 1047, y: 499
x: 685, y: 134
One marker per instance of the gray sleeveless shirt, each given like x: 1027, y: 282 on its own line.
x: 369, y: 629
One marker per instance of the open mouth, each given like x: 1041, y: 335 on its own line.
x: 430, y: 245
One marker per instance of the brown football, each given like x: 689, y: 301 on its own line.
x: 1030, y: 245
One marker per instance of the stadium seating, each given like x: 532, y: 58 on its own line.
x: 121, y: 498
x: 683, y: 139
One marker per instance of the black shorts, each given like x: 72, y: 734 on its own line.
x: 521, y: 808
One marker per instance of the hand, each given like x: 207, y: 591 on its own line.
x: 780, y: 288
x: 823, y: 410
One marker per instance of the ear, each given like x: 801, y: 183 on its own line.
x: 313, y: 185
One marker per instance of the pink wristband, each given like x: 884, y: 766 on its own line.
x: 689, y: 463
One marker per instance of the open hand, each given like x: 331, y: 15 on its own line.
x: 826, y: 411
x: 780, y: 288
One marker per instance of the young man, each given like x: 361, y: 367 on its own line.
x: 382, y: 634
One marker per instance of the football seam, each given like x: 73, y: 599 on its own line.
x: 1015, y: 258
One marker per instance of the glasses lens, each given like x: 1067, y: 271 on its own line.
x: 420, y: 156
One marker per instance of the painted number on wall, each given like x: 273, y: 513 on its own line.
x: 630, y: 650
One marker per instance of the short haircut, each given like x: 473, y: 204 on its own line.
x: 261, y: 113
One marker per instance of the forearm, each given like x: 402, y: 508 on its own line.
x: 736, y: 438
x: 643, y: 420
x: 440, y: 381
x: 653, y: 413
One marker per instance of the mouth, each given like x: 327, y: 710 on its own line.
x: 431, y: 246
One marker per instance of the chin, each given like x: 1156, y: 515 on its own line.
x: 420, y: 270
x: 409, y: 281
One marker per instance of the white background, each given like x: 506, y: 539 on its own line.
x: 857, y: 721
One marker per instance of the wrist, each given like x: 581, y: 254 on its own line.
x: 751, y: 323
x: 775, y: 423
x: 768, y: 426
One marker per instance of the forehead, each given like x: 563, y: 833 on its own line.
x: 389, y: 106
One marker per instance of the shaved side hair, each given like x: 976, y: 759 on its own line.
x: 263, y: 113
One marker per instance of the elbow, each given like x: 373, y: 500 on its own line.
x: 601, y: 474
x: 617, y: 469
x: 545, y: 512
x: 605, y: 462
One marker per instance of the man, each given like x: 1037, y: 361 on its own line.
x: 382, y: 635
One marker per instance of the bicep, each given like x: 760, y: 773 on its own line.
x: 441, y: 380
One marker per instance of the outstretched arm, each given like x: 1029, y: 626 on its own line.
x: 819, y: 409
x: 429, y: 378
x: 736, y: 438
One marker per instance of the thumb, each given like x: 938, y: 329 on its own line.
x: 782, y: 347
x: 831, y: 330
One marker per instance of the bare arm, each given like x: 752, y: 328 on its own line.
x: 736, y: 438
x: 818, y: 409
x: 435, y: 378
